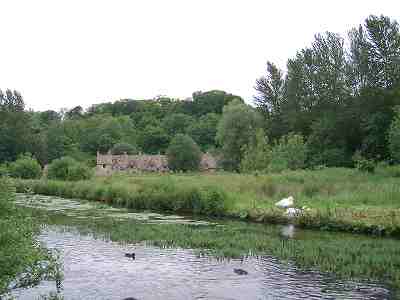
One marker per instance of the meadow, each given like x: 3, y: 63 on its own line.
x: 338, y: 199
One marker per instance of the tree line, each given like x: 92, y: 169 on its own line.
x: 339, y: 94
x: 336, y: 104
x: 147, y: 126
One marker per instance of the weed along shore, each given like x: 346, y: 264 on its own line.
x: 339, y: 199
x: 190, y: 257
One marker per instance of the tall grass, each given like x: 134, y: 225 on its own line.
x: 338, y: 198
x: 163, y: 194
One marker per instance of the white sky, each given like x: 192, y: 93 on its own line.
x: 81, y: 52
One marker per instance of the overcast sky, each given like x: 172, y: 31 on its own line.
x: 81, y: 52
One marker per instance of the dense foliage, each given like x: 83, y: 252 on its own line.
x: 19, y: 252
x: 67, y: 168
x: 257, y: 154
x: 25, y: 167
x: 394, y: 137
x: 148, y: 126
x: 183, y: 154
x: 236, y: 129
x: 340, y: 99
x: 123, y: 148
x: 338, y: 95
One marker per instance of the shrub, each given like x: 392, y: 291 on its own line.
x: 183, y: 154
x: 67, y: 168
x: 79, y: 171
x: 122, y: 148
x: 214, y: 202
x: 25, y: 167
x: 362, y: 164
x: 19, y: 252
x: 289, y: 153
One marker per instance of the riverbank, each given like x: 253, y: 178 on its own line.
x: 338, y: 199
x: 23, y: 262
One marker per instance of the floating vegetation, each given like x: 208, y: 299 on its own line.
x: 345, y: 255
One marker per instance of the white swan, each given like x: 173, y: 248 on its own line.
x: 285, y: 202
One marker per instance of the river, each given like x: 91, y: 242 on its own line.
x: 95, y: 265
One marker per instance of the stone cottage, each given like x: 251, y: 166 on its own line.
x: 108, y: 163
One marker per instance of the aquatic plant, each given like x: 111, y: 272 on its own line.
x: 338, y: 198
x: 345, y: 255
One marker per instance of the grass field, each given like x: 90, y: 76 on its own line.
x: 339, y: 199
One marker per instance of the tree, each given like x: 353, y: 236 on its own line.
x: 75, y: 113
x: 289, y: 154
x: 326, y: 143
x: 67, y: 168
x: 374, y: 54
x: 257, y: 154
x: 122, y: 148
x: 208, y: 102
x: 236, y: 128
x: 58, y: 143
x: 204, y: 130
x: 270, y: 89
x: 153, y: 140
x: 394, y: 136
x: 15, y: 126
x: 176, y: 123
x: 183, y: 154
x: 25, y: 167
x: 384, y: 51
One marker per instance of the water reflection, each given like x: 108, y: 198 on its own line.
x: 288, y: 231
x: 98, y: 269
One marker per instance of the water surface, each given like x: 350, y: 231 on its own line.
x: 96, y: 267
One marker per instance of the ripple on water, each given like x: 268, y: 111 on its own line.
x: 98, y: 269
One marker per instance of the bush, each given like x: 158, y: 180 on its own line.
x: 25, y: 167
x: 362, y: 164
x: 67, y: 168
x: 183, y: 154
x: 122, y: 148
x: 289, y: 153
x: 19, y: 250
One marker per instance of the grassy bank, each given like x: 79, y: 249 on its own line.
x: 22, y: 261
x: 339, y: 199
